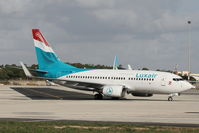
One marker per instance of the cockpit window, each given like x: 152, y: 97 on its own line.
x: 177, y: 79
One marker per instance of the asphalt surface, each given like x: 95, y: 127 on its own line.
x: 61, y: 103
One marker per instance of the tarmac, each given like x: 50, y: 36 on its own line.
x: 62, y: 103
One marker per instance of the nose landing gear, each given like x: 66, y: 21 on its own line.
x: 170, y: 98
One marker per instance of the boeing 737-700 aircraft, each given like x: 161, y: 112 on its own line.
x: 105, y: 82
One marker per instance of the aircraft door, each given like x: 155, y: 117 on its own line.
x: 163, y: 82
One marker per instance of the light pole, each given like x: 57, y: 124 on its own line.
x: 176, y: 68
x: 189, y: 49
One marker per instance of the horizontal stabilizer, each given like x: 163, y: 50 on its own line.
x: 26, y: 71
x: 35, y: 70
x: 39, y: 71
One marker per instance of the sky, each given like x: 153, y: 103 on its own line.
x: 142, y: 33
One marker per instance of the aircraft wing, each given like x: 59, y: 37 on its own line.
x: 79, y: 85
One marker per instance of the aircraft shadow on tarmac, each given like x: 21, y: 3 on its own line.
x: 54, y: 94
x: 51, y: 94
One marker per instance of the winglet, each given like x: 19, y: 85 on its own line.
x: 129, y: 67
x: 26, y: 71
x: 115, y: 63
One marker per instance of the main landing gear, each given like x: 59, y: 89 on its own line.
x: 98, y: 96
x: 170, y: 98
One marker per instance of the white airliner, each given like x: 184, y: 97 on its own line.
x: 105, y: 82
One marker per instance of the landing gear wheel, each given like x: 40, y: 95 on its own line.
x: 170, y: 98
x: 98, y: 96
x: 115, y: 98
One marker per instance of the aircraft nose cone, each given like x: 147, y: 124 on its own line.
x: 190, y: 86
x: 193, y: 87
x: 186, y: 86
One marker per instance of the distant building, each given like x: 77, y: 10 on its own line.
x: 186, y: 73
x: 196, y: 76
x: 183, y: 73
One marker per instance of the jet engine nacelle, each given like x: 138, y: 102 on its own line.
x: 114, y: 91
x: 142, y: 94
